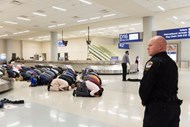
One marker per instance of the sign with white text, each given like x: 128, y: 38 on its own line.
x: 180, y: 33
x: 130, y: 37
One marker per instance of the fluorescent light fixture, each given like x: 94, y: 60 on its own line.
x: 175, y: 17
x: 4, y: 35
x: 135, y: 24
x: 82, y: 125
x: 108, y: 15
x: 124, y: 116
x: 15, y: 33
x: 115, y: 31
x: 61, y: 24
x: 83, y: 20
x: 21, y: 32
x: 51, y: 26
x: 14, y: 124
x: 58, y: 8
x: 86, y: 2
x: 30, y: 39
x: 182, y: 22
x: 56, y: 25
x: 10, y: 22
x: 83, y: 31
x: 26, y: 31
x: 93, y: 18
x: 25, y: 19
x: 135, y: 117
x: 132, y: 28
x: 42, y: 37
x: 39, y: 14
x: 100, y: 32
x: 121, y: 26
x: 1, y: 26
x: 161, y: 8
x: 112, y: 27
x: 101, y: 28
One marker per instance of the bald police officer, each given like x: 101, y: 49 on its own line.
x: 159, y: 86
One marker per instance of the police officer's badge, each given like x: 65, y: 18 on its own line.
x: 148, y: 65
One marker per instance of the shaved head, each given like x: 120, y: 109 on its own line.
x: 156, y: 45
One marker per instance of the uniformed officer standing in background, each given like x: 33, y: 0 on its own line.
x: 159, y: 86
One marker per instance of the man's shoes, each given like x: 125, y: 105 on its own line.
x: 74, y: 93
x: 48, y: 88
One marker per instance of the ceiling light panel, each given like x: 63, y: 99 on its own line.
x: 86, y: 1
x: 10, y: 22
x: 58, y: 8
x: 39, y: 14
x: 25, y: 19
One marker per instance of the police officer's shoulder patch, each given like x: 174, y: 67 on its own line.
x: 148, y: 65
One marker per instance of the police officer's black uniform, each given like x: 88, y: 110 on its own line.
x: 158, y: 92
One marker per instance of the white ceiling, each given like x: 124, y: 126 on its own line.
x: 127, y: 18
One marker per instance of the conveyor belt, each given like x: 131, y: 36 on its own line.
x: 6, y: 84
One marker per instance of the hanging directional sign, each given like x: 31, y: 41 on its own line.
x: 123, y: 46
x: 179, y: 33
x: 130, y: 37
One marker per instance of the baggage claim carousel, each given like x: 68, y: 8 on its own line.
x: 6, y: 84
x: 101, y: 67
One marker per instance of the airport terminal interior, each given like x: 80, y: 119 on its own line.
x: 44, y: 40
x: 119, y: 106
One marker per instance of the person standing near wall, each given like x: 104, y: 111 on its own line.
x: 137, y: 63
x: 159, y: 87
x: 125, y: 60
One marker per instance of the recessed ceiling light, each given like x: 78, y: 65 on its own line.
x: 4, y: 35
x: 161, y: 8
x: 93, y: 18
x: 182, y: 22
x: 25, y: 19
x: 86, y: 2
x: 10, y: 22
x: 83, y: 20
x: 101, y: 28
x: 109, y: 15
x: 121, y: 26
x: 58, y: 8
x: 39, y: 14
x: 175, y: 17
x: 51, y: 26
x: 135, y: 24
x: 61, y: 24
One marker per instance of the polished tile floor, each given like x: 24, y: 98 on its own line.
x: 119, y: 106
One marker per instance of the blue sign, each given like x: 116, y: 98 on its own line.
x: 123, y: 46
x: 180, y: 33
x: 130, y: 37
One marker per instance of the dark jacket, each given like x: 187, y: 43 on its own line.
x: 160, y: 79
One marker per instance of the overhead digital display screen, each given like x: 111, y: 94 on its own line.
x: 179, y: 33
x: 130, y: 37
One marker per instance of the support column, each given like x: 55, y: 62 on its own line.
x: 54, y: 48
x: 147, y: 34
x: 8, y: 50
